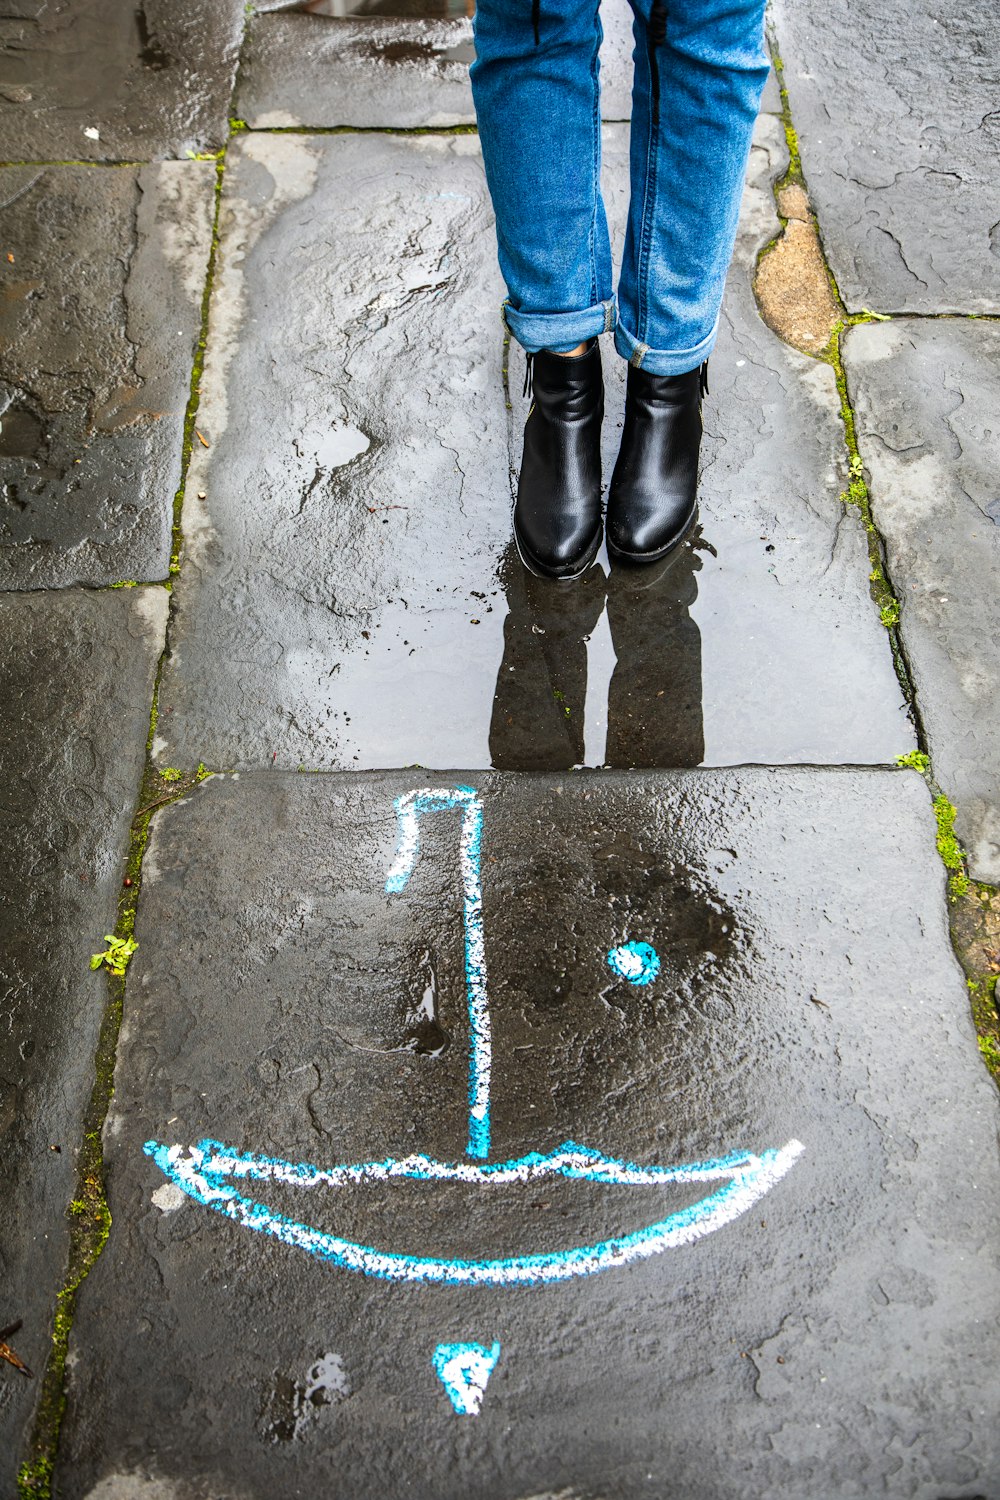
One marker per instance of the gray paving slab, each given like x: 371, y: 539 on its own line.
x: 402, y: 70
x: 896, y: 113
x: 836, y: 1338
x: 76, y: 680
x: 348, y: 598
x: 97, y: 80
x: 926, y: 396
x: 770, y: 102
x: 398, y: 71
x: 99, y: 322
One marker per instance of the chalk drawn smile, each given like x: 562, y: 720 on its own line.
x: 209, y: 1171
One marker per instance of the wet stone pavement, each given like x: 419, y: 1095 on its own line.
x: 65, y: 808
x: 408, y: 645
x: 926, y: 397
x: 97, y: 354
x: 896, y: 115
x: 406, y: 66
x: 544, y: 1070
x: 774, y: 1017
x: 96, y: 80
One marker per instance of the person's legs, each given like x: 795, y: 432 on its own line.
x: 700, y: 68
x: 537, y: 97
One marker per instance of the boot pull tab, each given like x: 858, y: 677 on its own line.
x: 704, y: 378
x: 528, y: 362
x: 658, y: 23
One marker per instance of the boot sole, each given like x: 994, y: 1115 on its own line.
x: 640, y: 559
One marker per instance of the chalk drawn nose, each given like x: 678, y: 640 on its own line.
x: 410, y: 808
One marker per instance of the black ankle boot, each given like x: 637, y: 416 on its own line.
x: 557, y: 517
x: 654, y: 488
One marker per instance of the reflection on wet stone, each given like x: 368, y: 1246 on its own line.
x: 538, y: 708
x: 426, y: 1036
x: 385, y: 63
x: 382, y: 571
x: 434, y: 10
x: 155, y: 75
x: 654, y: 699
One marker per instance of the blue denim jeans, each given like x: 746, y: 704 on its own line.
x: 700, y: 67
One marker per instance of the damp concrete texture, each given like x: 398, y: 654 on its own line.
x: 345, y: 601
x: 283, y: 1003
x: 103, y: 274
x: 403, y: 67
x: 76, y: 675
x: 897, y: 117
x: 396, y: 65
x: 926, y: 397
x: 103, y: 80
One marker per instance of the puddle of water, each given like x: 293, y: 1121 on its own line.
x: 604, y: 673
x: 151, y: 54
x: 332, y: 447
x: 600, y: 667
x: 412, y: 50
x: 607, y: 672
x: 20, y: 433
x: 426, y: 1036
x: 291, y: 1406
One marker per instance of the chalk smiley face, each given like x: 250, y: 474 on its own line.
x: 211, y: 1173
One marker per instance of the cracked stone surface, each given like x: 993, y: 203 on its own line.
x: 401, y: 71
x: 926, y: 397
x: 99, y: 320
x: 76, y: 678
x: 98, y: 80
x: 347, y: 597
x: 282, y: 1003
x: 897, y: 114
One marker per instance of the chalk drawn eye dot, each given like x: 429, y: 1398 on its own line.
x: 639, y: 963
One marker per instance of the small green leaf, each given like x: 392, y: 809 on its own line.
x: 116, y: 955
x: 914, y: 760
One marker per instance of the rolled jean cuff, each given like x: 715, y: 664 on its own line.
x: 664, y: 361
x: 560, y: 332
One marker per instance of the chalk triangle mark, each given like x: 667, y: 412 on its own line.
x: 464, y: 1370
